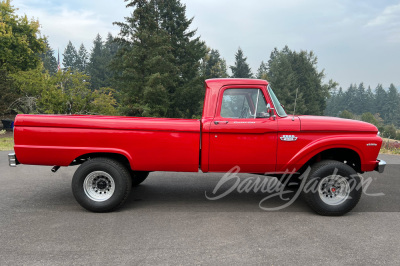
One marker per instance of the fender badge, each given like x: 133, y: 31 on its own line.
x: 288, y: 138
x: 372, y: 144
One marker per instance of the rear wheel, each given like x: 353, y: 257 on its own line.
x: 332, y: 188
x: 101, y: 184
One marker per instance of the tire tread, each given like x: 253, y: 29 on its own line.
x: 309, y: 197
x: 103, y: 161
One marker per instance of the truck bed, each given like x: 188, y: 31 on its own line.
x: 150, y: 144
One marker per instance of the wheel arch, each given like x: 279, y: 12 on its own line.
x: 346, y: 155
x: 122, y: 158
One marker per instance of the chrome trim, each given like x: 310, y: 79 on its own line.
x: 288, y: 138
x: 99, y: 186
x: 334, y: 190
x: 381, y: 166
x: 12, y: 160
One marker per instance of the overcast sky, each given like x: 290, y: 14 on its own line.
x: 355, y: 40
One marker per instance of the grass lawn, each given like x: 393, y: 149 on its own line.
x: 6, y: 144
x: 6, y: 140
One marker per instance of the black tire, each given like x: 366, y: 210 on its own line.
x: 327, y: 198
x: 138, y: 177
x: 101, y: 185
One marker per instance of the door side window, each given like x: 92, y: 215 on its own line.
x: 243, y: 103
x: 261, y: 103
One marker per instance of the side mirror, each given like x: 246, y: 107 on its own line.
x: 270, y: 111
x: 263, y: 115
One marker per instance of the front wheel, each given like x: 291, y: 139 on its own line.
x: 101, y: 184
x: 332, y: 188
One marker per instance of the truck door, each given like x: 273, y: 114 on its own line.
x: 243, y: 133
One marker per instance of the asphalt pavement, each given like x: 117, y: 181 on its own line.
x: 168, y: 220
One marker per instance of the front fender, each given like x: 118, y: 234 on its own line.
x: 357, y: 143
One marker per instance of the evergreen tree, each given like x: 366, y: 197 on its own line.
x: 213, y: 65
x: 241, y: 69
x: 262, y: 71
x: 333, y: 102
x: 143, y: 62
x: 49, y: 61
x: 283, y: 79
x: 186, y: 92
x: 380, y: 100
x: 339, y: 102
x: 97, y: 66
x: 381, y: 107
x: 288, y: 70
x: 360, y: 105
x: 83, y: 58
x: 111, y: 47
x: 391, y: 108
x: 370, y: 101
x: 70, y: 60
x: 350, y: 96
x: 110, y: 50
x: 157, y: 65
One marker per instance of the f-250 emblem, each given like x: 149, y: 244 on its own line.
x: 288, y: 138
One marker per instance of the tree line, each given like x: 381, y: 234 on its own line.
x: 380, y: 106
x: 155, y: 66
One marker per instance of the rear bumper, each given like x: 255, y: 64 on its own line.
x: 380, y: 167
x: 12, y: 160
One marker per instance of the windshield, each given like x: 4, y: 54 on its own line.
x: 278, y: 107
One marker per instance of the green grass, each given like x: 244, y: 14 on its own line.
x: 390, y: 151
x: 6, y: 144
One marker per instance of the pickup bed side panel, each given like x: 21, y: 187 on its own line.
x: 149, y: 144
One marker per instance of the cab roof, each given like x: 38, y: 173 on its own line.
x: 234, y: 81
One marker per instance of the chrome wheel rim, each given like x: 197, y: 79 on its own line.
x: 99, y: 186
x: 334, y: 190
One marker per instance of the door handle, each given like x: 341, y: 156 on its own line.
x: 221, y: 122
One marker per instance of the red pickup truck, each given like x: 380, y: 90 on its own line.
x: 243, y: 124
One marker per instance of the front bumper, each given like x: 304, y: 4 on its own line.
x: 12, y: 160
x: 380, y: 167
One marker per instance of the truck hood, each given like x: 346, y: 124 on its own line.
x: 325, y: 123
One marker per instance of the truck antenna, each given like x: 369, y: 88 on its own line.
x: 295, y: 101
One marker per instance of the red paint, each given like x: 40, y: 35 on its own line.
x: 160, y: 144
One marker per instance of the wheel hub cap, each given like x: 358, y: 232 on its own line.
x: 99, y: 186
x: 334, y: 190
